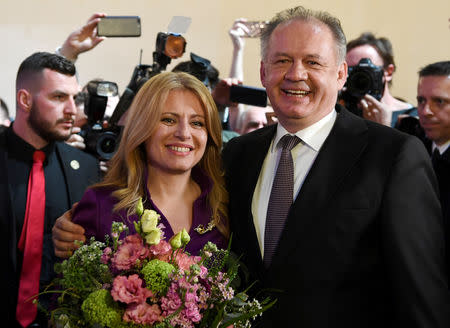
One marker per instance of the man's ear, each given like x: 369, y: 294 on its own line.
x: 24, y: 100
x: 262, y: 73
x: 342, y: 74
x: 388, y: 72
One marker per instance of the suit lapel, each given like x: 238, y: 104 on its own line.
x: 250, y: 166
x: 341, y: 150
x: 6, y: 213
x: 68, y: 164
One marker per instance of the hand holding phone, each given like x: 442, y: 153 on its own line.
x: 254, y: 28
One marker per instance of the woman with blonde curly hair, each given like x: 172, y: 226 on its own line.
x: 169, y: 154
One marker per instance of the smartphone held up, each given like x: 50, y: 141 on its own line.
x: 119, y: 26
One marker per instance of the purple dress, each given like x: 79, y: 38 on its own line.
x: 95, y: 213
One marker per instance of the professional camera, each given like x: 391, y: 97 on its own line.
x: 364, y: 78
x: 168, y: 46
x: 103, y: 141
x: 100, y: 141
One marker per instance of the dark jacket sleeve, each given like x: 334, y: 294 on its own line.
x: 413, y: 241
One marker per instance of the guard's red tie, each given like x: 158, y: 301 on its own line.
x: 30, y: 242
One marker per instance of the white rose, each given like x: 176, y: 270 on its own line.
x: 149, y: 220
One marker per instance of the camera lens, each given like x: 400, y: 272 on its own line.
x: 106, y: 145
x: 361, y: 83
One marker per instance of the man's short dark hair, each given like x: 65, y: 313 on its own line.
x: 382, y: 45
x: 38, y: 61
x: 441, y: 68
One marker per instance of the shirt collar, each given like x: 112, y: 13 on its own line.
x: 21, y: 149
x: 442, y: 148
x: 312, y: 136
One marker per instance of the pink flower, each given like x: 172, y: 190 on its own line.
x: 185, y: 261
x: 192, y: 313
x: 203, y: 272
x: 143, y: 313
x: 106, y: 256
x: 161, y: 251
x: 129, y: 252
x: 129, y: 290
x: 191, y: 297
x: 172, y: 301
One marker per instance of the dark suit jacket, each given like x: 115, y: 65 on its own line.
x: 442, y: 170
x: 76, y: 183
x: 363, y: 244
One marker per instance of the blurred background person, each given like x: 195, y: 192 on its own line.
x: 379, y: 50
x: 252, y: 118
x: 433, y: 103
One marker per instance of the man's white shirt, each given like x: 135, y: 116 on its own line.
x: 303, y: 155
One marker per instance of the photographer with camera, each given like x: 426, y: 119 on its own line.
x: 371, y: 68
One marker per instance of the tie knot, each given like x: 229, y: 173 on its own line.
x: 38, y: 156
x: 436, y: 155
x: 288, y: 142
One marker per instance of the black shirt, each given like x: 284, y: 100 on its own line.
x: 20, y: 161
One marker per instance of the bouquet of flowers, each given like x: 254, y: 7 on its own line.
x: 146, y: 281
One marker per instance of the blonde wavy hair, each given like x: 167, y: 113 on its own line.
x: 127, y: 167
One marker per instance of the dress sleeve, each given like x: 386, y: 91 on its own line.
x: 88, y: 214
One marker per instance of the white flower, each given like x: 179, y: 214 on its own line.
x: 149, y: 221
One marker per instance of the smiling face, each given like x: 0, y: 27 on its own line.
x: 53, y: 107
x: 301, y: 73
x: 433, y: 105
x: 179, y: 139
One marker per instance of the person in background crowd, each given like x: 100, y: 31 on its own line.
x: 252, y: 118
x: 433, y: 103
x: 379, y: 51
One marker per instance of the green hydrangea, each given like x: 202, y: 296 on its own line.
x: 99, y: 308
x: 156, y: 276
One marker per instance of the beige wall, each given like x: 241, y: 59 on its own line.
x: 418, y: 30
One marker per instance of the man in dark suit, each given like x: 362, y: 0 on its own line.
x: 45, y: 89
x: 433, y: 102
x: 362, y: 243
